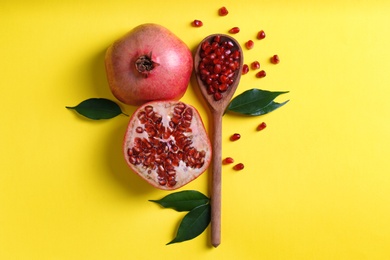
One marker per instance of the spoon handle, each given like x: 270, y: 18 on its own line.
x: 216, y: 181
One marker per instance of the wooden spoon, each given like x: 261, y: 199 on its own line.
x: 217, y: 109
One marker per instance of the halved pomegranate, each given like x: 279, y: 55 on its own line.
x: 166, y: 144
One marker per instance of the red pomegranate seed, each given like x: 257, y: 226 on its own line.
x: 275, y: 59
x: 235, y: 137
x: 238, y: 166
x: 261, y: 35
x: 228, y: 160
x: 261, y: 74
x: 223, y: 11
x: 234, y: 30
x: 255, y: 65
x: 249, y: 44
x: 261, y: 126
x: 245, y: 69
x: 217, y: 96
x: 197, y: 23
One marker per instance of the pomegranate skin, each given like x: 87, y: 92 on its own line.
x: 152, y: 144
x: 168, y: 79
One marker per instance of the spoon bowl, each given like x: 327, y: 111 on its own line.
x: 219, y: 105
x: 217, y: 108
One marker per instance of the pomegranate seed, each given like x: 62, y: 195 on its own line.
x: 275, y: 59
x: 245, y: 69
x: 249, y: 44
x: 228, y: 160
x: 217, y: 96
x: 234, y: 30
x: 139, y: 130
x: 261, y: 74
x: 255, y: 65
x: 235, y: 137
x: 238, y: 166
x: 261, y: 126
x: 223, y: 11
x: 261, y: 35
x: 197, y: 23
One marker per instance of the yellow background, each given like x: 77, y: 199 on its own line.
x: 316, y: 180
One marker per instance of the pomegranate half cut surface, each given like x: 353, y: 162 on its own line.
x: 166, y: 144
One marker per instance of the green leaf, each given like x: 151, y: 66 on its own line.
x: 98, y: 108
x: 269, y: 108
x: 193, y: 224
x: 183, y: 200
x: 255, y: 102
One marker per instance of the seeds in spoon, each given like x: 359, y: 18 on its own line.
x: 219, y: 64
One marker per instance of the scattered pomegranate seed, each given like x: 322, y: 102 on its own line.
x: 261, y: 126
x: 238, y: 166
x: 261, y: 35
x: 245, y: 69
x: 249, y: 44
x: 235, y: 137
x: 255, y: 65
x: 197, y: 23
x: 275, y: 59
x: 261, y: 74
x: 218, y: 65
x: 228, y: 160
x: 223, y: 11
x: 234, y: 30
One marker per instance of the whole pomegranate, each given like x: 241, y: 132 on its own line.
x: 166, y: 144
x: 148, y: 63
